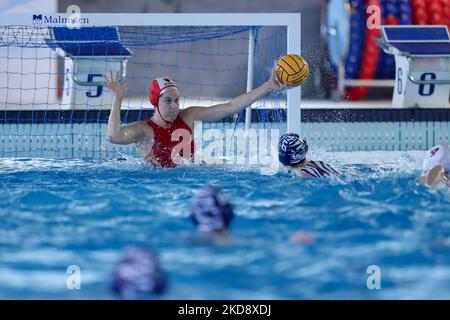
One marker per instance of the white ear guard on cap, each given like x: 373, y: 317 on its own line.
x: 165, y: 84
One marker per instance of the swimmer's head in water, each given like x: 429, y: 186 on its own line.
x: 292, y: 149
x: 438, y: 155
x: 137, y: 274
x: 211, y: 210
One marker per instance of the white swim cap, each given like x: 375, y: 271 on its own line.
x: 439, y: 154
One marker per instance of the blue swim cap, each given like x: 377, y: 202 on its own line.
x: 292, y: 149
x: 137, y: 274
x: 211, y: 210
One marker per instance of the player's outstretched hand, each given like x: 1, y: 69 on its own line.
x: 275, y: 84
x: 113, y: 84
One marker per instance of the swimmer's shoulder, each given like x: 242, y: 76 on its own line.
x: 300, y: 173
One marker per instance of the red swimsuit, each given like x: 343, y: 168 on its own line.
x: 163, y: 144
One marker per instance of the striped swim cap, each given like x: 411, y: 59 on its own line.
x: 292, y: 149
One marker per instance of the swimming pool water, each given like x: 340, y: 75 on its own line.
x: 57, y: 213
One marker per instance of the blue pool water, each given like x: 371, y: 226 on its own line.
x: 56, y: 213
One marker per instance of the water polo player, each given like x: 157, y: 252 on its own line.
x: 138, y: 274
x: 211, y: 211
x: 166, y: 139
x: 292, y: 152
x: 436, y: 167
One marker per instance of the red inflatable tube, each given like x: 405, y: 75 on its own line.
x: 369, y: 59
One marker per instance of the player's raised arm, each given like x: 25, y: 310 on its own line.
x: 220, y: 111
x: 116, y: 133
